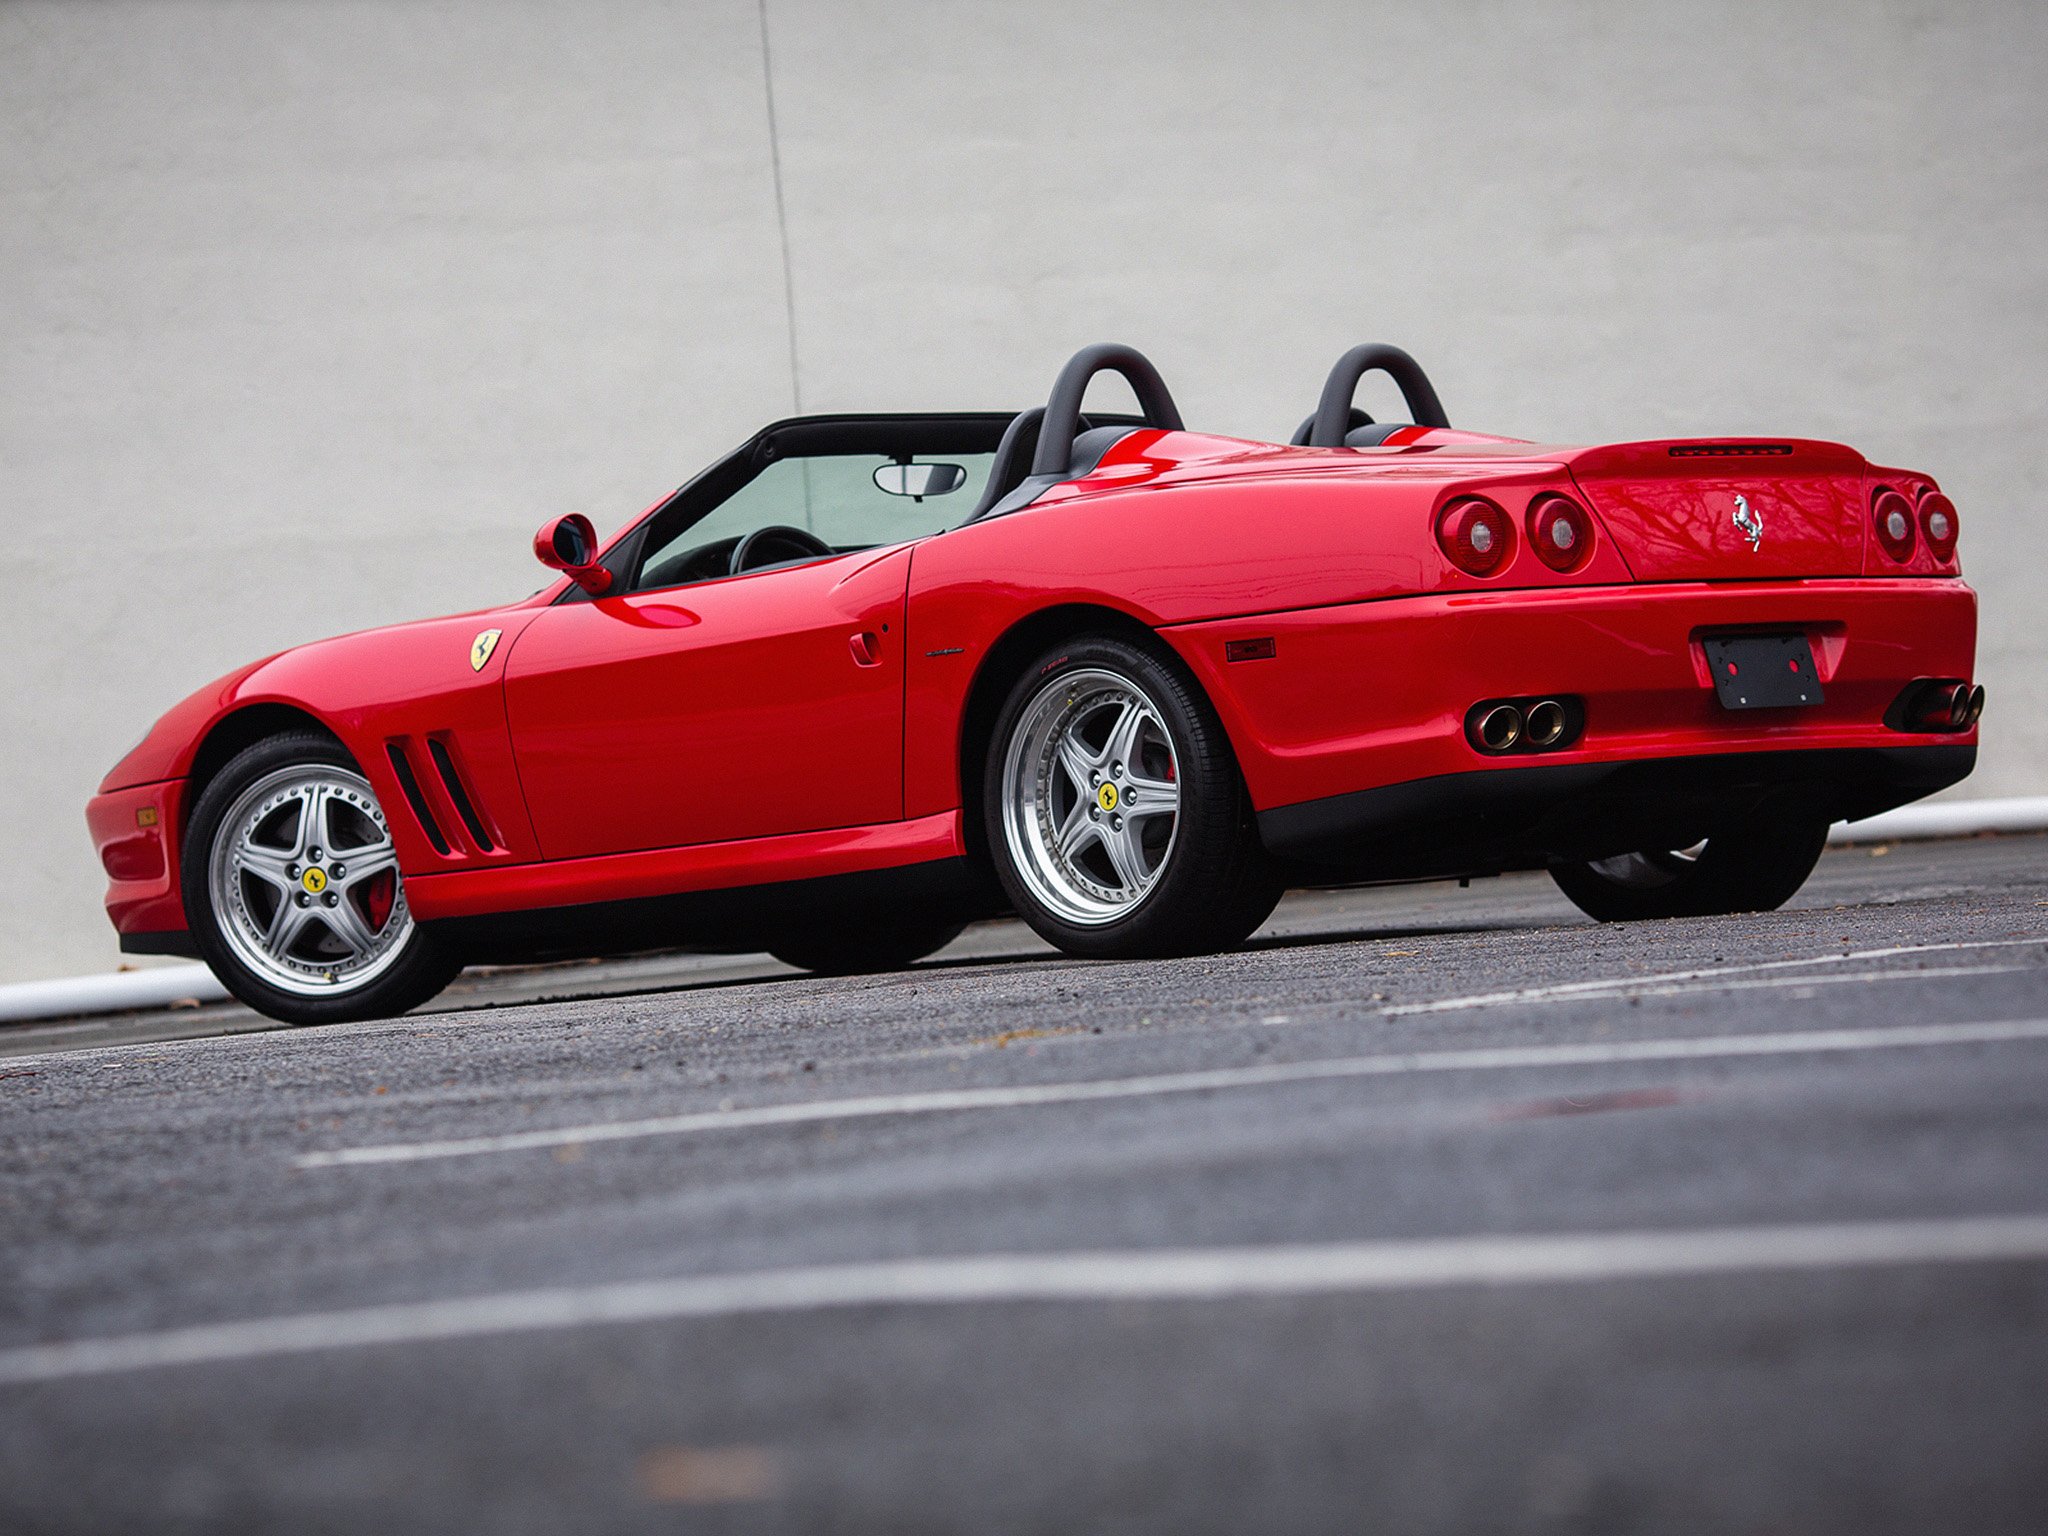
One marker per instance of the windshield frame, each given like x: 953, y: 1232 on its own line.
x: 906, y: 435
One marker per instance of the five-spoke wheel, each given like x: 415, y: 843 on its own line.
x: 294, y: 893
x: 304, y: 876
x: 1114, y: 810
x: 1091, y: 796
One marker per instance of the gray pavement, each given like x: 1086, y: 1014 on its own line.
x: 1431, y: 1209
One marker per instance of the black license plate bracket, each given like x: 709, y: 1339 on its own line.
x: 1764, y: 671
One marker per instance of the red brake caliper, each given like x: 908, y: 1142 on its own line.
x: 379, y: 896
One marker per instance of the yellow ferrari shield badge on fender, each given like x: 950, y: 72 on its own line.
x: 481, y: 647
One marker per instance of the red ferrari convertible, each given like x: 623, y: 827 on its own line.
x: 870, y: 677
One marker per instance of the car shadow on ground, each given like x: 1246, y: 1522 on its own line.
x: 1389, y: 935
x: 963, y: 966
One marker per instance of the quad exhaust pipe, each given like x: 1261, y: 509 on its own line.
x: 1500, y: 726
x: 1965, y: 707
x: 1544, y: 725
x: 1941, y: 704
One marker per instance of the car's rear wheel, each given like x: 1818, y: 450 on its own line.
x: 293, y: 891
x: 854, y: 948
x: 1755, y: 867
x: 1115, y: 814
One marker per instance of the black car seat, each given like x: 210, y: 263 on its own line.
x: 1054, y: 442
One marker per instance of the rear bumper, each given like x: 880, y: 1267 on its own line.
x: 1527, y: 816
x: 1374, y: 694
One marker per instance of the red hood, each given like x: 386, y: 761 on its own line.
x: 331, y: 680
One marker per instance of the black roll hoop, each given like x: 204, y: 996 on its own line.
x: 1334, y: 416
x: 1062, y: 418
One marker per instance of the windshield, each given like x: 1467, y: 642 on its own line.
x: 832, y: 496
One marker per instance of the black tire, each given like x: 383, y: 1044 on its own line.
x: 852, y: 946
x: 421, y: 965
x: 1215, y: 883
x: 1756, y: 867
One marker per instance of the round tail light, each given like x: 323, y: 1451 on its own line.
x: 1891, y: 516
x: 1476, y: 535
x: 1938, y: 523
x: 1560, y: 532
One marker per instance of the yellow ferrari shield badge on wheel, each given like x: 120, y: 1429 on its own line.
x: 1106, y: 797
x: 481, y: 647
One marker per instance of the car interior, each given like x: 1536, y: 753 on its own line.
x: 813, y: 487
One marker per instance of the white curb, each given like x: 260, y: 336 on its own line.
x: 69, y: 996
x: 160, y: 986
x: 1947, y: 818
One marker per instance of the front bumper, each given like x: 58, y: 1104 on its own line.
x: 135, y: 831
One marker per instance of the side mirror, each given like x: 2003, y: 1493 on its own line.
x: 918, y: 481
x: 569, y: 544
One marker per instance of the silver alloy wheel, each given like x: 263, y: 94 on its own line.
x: 1649, y: 870
x: 305, y: 882
x: 1091, y: 796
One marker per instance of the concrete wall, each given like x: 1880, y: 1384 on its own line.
x: 310, y: 312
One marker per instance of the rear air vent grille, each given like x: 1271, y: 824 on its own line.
x: 464, y: 806
x: 402, y: 766
x: 1731, y: 450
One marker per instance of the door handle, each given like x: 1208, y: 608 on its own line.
x: 866, y: 649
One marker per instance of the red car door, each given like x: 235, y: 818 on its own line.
x: 764, y: 703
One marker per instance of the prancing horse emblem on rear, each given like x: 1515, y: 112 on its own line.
x: 1749, y: 524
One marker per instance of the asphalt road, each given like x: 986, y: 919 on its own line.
x: 1430, y: 1210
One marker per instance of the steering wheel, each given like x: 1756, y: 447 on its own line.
x: 773, y: 545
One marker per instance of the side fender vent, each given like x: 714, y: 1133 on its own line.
x: 459, y: 797
x: 402, y: 766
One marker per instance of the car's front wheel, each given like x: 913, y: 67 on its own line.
x: 1115, y: 814
x: 293, y: 891
x: 1751, y: 868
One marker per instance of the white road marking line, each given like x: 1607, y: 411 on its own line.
x: 1570, y: 989
x: 1475, y: 1060
x: 1188, y: 1274
x: 1766, y: 983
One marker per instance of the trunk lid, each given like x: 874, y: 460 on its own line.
x: 1721, y: 510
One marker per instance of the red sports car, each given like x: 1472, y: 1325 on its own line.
x: 870, y: 677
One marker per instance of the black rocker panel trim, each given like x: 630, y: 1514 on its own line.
x: 731, y: 921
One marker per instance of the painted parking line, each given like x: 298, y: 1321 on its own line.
x: 1568, y: 990
x: 1761, y: 984
x: 1496, y: 1058
x: 1188, y: 1274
